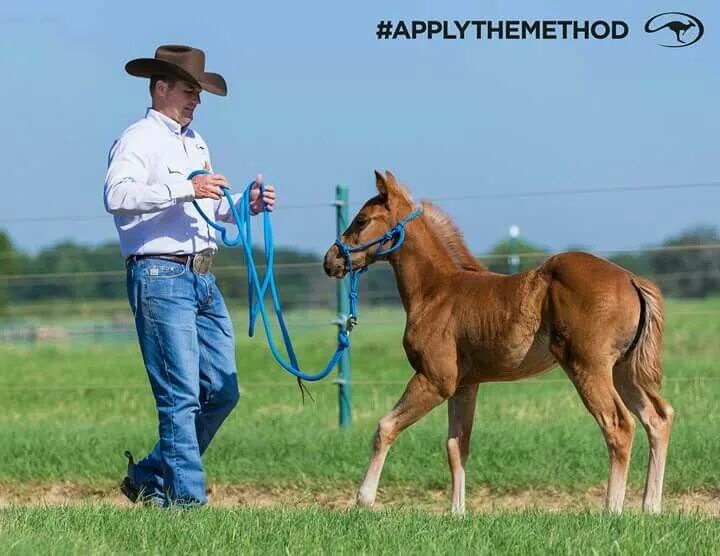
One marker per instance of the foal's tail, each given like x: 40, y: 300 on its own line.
x: 645, y: 351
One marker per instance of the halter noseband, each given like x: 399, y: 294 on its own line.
x: 397, y: 231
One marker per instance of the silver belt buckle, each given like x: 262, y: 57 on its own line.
x: 202, y: 262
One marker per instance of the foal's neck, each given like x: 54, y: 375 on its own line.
x: 421, y: 265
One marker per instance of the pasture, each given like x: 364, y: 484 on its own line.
x: 282, y: 476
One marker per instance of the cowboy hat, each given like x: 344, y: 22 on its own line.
x: 183, y: 62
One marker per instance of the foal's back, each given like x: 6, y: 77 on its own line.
x: 517, y: 326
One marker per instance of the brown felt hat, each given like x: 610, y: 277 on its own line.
x: 183, y: 62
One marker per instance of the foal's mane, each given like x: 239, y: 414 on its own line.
x: 451, y: 237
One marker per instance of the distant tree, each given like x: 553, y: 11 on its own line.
x: 578, y: 247
x: 10, y: 258
x: 638, y: 263
x: 68, y: 259
x: 11, y: 261
x: 97, y: 272
x: 530, y: 253
x: 295, y: 272
x: 684, y: 271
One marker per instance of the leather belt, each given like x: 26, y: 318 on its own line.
x: 180, y: 259
x: 200, y: 262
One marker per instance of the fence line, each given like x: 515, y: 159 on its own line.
x: 292, y: 383
x: 121, y: 273
x: 483, y: 256
x: 117, y: 277
x: 365, y: 322
x: 579, y: 191
x: 33, y: 334
x: 316, y: 264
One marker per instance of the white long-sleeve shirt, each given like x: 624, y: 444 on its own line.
x: 148, y: 193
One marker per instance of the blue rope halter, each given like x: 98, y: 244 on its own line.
x: 396, y: 231
x: 257, y: 288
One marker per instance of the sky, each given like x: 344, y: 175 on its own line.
x: 315, y: 100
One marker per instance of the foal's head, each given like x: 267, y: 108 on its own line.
x: 377, y: 216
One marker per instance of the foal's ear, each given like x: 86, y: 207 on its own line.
x: 381, y: 184
x: 391, y: 181
x: 387, y: 185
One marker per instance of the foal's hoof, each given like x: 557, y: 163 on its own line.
x: 364, y: 500
x: 651, y: 508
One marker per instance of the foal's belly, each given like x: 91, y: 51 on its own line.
x: 488, y: 364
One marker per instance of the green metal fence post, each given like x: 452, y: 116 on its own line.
x: 343, y: 305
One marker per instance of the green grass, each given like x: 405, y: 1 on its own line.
x: 69, y: 410
x: 103, y: 529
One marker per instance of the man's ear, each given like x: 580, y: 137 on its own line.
x: 381, y: 184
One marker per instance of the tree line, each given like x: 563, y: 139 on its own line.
x: 685, y: 265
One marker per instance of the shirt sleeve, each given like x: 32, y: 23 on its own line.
x: 127, y: 187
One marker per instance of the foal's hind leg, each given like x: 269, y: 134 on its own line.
x: 461, y: 410
x: 419, y: 398
x: 656, y: 415
x: 595, y: 385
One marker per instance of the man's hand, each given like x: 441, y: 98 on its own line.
x: 257, y: 204
x: 208, y: 186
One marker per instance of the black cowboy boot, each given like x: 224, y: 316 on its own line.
x: 134, y: 492
x: 128, y: 486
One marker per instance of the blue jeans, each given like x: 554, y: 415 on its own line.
x: 187, y: 343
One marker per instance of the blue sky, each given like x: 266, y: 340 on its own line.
x: 315, y: 99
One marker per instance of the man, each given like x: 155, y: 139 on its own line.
x: 183, y: 326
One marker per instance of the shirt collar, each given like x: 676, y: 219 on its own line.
x: 169, y: 123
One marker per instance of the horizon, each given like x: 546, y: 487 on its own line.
x: 538, y: 248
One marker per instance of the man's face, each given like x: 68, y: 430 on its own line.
x: 179, y: 101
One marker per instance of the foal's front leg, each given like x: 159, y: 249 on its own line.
x: 461, y: 410
x: 419, y: 398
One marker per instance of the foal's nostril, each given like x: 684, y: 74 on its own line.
x: 329, y: 262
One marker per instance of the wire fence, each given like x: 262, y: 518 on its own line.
x: 116, y: 321
x: 560, y: 192
x: 292, y: 384
x: 119, y: 329
x: 302, y: 285
x: 61, y: 253
x: 316, y: 264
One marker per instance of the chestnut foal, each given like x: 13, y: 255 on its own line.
x: 466, y: 325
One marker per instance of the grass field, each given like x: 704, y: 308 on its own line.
x: 71, y: 409
x: 319, y: 531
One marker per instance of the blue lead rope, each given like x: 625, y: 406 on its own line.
x: 258, y: 288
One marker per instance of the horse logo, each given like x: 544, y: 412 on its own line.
x: 687, y: 28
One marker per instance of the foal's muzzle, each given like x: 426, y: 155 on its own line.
x: 334, y: 263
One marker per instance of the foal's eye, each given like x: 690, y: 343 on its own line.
x: 361, y: 221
